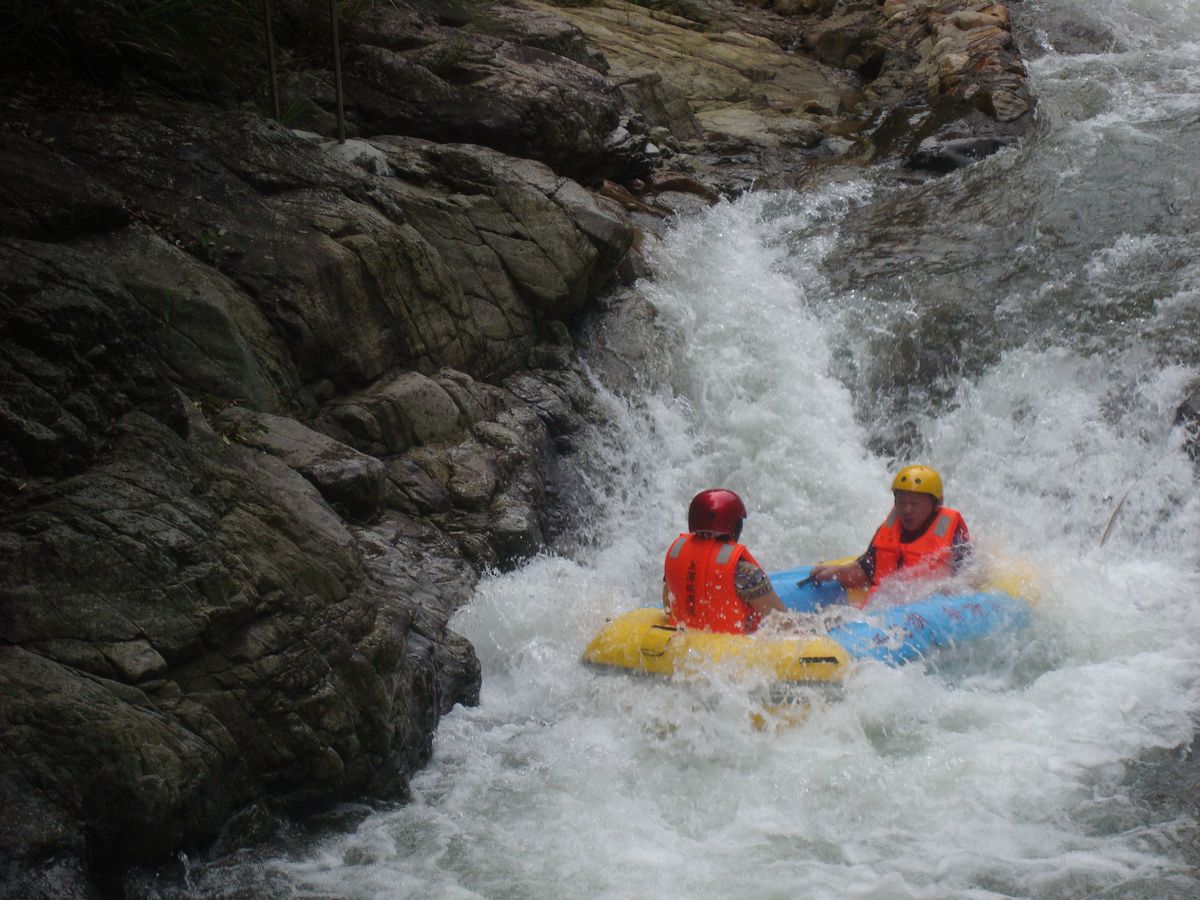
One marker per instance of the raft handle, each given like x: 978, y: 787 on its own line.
x: 652, y: 651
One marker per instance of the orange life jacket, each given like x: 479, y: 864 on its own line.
x: 699, y: 572
x: 929, y: 555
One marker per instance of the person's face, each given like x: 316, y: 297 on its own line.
x: 913, y: 509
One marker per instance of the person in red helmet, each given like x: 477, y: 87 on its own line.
x: 921, y: 538
x: 710, y: 581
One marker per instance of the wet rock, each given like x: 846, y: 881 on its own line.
x: 799, y: 133
x: 1066, y: 34
x: 1005, y: 105
x: 212, y: 337
x: 487, y: 490
x: 680, y: 183
x: 282, y: 653
x: 459, y: 86
x: 248, y: 827
x: 552, y: 401
x: 206, y: 626
x: 884, y: 78
x: 473, y: 476
x: 525, y: 244
x: 734, y: 72
x: 544, y: 30
x: 400, y: 412
x: 415, y: 489
x: 360, y: 154
x: 328, y: 268
x: 351, y: 482
x: 207, y: 597
x: 72, y: 368
x: 947, y: 156
x: 661, y: 104
x: 516, y: 530
x: 851, y: 41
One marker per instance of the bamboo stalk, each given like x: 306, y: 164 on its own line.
x: 271, y: 60
x: 337, y: 71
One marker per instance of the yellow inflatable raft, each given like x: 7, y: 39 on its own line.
x: 643, y: 641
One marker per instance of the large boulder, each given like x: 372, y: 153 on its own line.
x: 527, y: 245
x: 525, y: 85
x: 283, y: 269
x: 71, y: 367
x: 351, y: 482
x: 212, y: 337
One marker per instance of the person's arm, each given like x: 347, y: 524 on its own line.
x: 666, y: 598
x: 767, y: 603
x: 851, y: 575
x: 754, y: 587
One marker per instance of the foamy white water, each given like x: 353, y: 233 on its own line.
x: 1014, y: 771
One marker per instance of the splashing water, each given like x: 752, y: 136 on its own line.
x: 1028, y: 326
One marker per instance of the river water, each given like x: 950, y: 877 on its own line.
x: 1027, y: 326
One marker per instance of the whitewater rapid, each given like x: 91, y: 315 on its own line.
x: 1058, y: 284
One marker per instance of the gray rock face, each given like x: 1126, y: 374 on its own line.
x: 254, y: 449
x: 530, y: 88
x: 351, y: 482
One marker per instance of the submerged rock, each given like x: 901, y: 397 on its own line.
x: 950, y: 155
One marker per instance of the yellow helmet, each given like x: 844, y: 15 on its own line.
x: 920, y: 480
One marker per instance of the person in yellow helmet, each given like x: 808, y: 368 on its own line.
x: 920, y: 538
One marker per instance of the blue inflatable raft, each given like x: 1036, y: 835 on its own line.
x: 898, y: 634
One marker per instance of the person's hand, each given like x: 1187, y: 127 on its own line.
x: 821, y: 574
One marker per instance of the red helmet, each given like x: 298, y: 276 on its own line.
x: 716, y: 511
